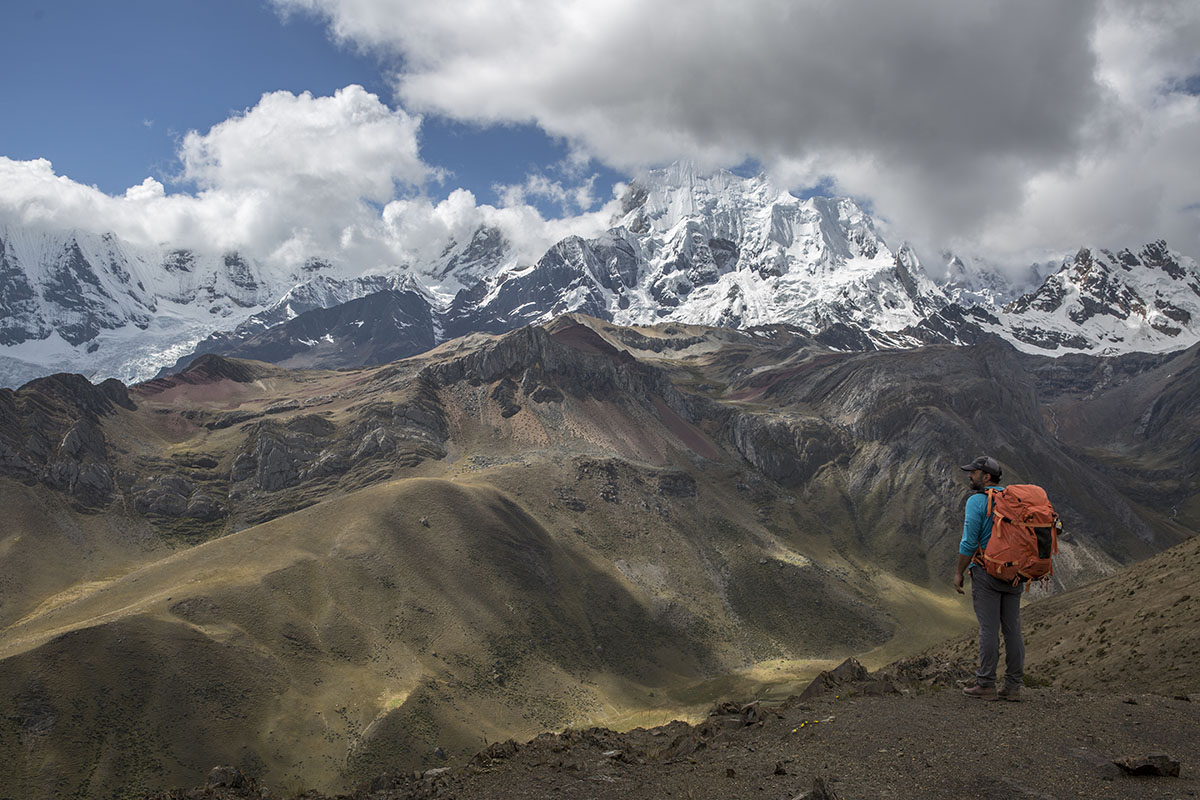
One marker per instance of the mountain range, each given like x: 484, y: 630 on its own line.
x: 323, y: 523
x: 718, y: 250
x: 320, y: 575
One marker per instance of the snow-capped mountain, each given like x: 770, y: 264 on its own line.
x: 725, y: 250
x: 710, y: 249
x: 80, y: 302
x: 971, y: 281
x: 718, y: 250
x: 1109, y: 303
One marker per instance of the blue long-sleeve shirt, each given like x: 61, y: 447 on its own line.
x: 977, y: 525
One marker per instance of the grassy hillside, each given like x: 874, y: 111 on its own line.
x: 322, y: 574
x: 372, y: 629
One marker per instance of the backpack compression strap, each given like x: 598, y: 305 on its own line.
x: 979, y: 556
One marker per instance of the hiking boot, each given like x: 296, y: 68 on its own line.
x: 1012, y: 695
x: 982, y: 692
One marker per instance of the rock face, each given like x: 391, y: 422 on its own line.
x: 877, y: 427
x: 51, y: 432
x: 789, y: 450
x: 378, y: 328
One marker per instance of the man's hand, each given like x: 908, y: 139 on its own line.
x: 959, y: 570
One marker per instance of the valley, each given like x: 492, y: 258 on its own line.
x: 322, y: 575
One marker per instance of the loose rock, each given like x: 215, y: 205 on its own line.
x: 1159, y: 764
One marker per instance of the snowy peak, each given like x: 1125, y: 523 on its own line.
x: 686, y: 247
x: 82, y: 302
x: 1108, y: 303
x: 726, y: 206
x: 486, y: 253
x: 733, y: 251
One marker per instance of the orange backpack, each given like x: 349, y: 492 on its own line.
x: 1024, y: 535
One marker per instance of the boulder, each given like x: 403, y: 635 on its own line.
x: 227, y: 778
x: 1158, y: 764
x: 845, y: 674
x: 677, y: 484
x: 820, y: 791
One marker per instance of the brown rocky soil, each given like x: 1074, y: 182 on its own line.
x: 919, y: 742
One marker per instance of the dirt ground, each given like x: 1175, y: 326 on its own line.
x: 922, y: 742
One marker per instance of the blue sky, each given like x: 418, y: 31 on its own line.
x: 1012, y: 130
x: 106, y: 90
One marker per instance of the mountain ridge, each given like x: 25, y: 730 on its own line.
x: 689, y: 248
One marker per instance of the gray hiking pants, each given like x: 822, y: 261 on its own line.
x: 998, y: 608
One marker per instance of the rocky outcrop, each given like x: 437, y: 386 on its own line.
x: 677, y: 484
x: 573, y: 359
x: 51, y: 432
x: 273, y: 458
x: 789, y: 450
x: 505, y: 396
x: 176, y: 496
x: 310, y: 448
x: 208, y: 368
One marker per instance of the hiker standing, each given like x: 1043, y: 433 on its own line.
x: 997, y: 603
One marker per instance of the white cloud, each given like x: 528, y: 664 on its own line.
x: 294, y: 174
x: 1012, y: 127
x: 350, y: 143
x: 570, y: 199
x: 297, y: 176
x: 990, y: 123
x: 420, y: 228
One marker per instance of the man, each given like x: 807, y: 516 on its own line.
x: 997, y: 604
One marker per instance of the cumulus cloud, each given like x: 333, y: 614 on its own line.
x: 297, y: 176
x: 350, y: 143
x: 295, y: 172
x: 1005, y: 129
x: 959, y: 121
x: 570, y: 199
x: 420, y: 228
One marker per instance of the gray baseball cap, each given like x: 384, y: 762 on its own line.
x: 985, y: 463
